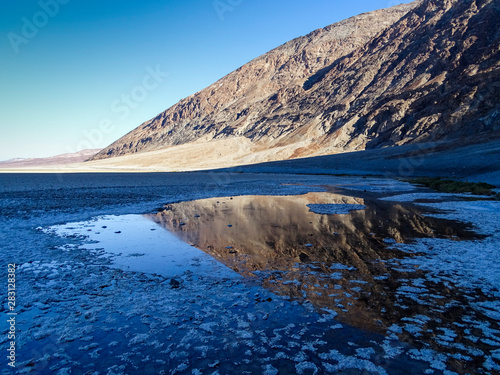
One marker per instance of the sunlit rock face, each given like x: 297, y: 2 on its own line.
x: 242, y: 103
x: 420, y: 72
x: 336, y: 261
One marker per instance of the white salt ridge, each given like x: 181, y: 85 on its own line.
x: 348, y: 362
x: 270, y: 370
x: 338, y: 266
x: 306, y: 367
x: 491, y: 365
x: 365, y: 353
x: 496, y: 354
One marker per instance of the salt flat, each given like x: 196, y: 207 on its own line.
x: 100, y: 299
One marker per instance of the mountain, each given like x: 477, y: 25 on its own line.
x: 63, y: 159
x: 418, y: 72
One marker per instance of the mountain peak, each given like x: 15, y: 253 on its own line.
x: 412, y: 73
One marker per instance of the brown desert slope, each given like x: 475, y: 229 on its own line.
x: 419, y: 72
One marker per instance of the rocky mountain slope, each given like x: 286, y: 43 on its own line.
x: 417, y: 72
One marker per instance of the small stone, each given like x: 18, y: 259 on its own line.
x: 174, y: 284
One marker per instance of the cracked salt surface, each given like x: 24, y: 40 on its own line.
x: 123, y: 312
x: 472, y: 267
x: 406, y: 283
x: 88, y: 310
x: 122, y: 320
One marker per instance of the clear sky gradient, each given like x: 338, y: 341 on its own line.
x: 82, y: 73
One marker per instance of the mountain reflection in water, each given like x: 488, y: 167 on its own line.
x: 334, y: 261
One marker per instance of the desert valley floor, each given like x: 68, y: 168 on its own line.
x: 241, y: 273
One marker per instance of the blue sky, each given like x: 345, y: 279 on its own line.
x: 81, y: 73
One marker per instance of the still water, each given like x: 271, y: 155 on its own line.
x: 346, y: 257
x: 335, y: 261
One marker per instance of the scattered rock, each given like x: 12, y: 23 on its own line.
x: 174, y: 284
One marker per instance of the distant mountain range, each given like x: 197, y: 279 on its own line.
x: 63, y: 159
x: 418, y: 72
